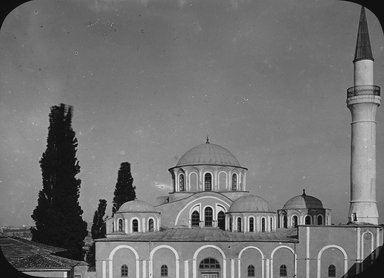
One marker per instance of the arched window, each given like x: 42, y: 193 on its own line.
x: 195, y: 219
x: 209, y: 263
x: 331, y: 271
x: 319, y: 219
x: 135, y: 225
x: 124, y: 270
x: 150, y: 225
x: 271, y: 224
x: 283, y: 270
x: 164, y: 271
x: 251, y: 271
x: 308, y: 220
x: 263, y: 224
x: 120, y: 225
x: 234, y: 182
x: 294, y: 221
x: 221, y: 220
x: 230, y: 223
x: 239, y: 224
x: 181, y: 182
x: 207, y: 182
x: 251, y: 227
x: 208, y: 216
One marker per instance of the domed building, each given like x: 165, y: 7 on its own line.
x: 303, y: 210
x: 211, y: 226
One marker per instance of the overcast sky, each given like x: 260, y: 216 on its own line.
x: 149, y: 80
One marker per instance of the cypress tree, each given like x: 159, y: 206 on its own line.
x: 58, y: 215
x: 98, y: 229
x: 124, y: 190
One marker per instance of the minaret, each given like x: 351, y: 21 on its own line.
x: 363, y: 100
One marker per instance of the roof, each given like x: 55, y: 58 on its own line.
x: 136, y: 206
x: 208, y: 154
x: 27, y: 254
x: 303, y: 201
x: 363, y: 45
x: 250, y: 203
x: 205, y: 234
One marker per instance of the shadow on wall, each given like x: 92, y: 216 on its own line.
x: 369, y: 267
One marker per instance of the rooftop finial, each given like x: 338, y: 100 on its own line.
x: 363, y: 46
x: 304, y: 193
x: 207, y: 142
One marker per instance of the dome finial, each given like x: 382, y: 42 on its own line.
x: 304, y: 193
x: 207, y: 142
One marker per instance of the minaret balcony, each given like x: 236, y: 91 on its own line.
x: 363, y: 90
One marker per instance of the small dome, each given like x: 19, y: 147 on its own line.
x: 207, y: 153
x: 250, y: 203
x: 136, y: 206
x: 303, y: 201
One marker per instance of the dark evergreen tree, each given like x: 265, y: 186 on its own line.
x: 97, y: 230
x: 58, y: 215
x: 124, y: 190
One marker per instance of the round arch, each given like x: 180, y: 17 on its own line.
x: 110, y: 258
x: 160, y: 247
x: 204, y: 247
x: 294, y: 254
x: 262, y: 259
x: 325, y: 248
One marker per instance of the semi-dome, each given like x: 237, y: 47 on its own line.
x: 303, y: 201
x: 250, y: 203
x: 136, y: 206
x: 208, y: 153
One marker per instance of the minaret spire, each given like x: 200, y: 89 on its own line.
x: 363, y: 45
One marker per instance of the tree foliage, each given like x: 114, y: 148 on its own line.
x: 124, y: 191
x: 98, y: 230
x: 58, y: 215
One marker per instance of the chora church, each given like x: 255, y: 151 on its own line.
x: 210, y: 226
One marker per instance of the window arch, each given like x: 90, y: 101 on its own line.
x: 208, y: 182
x: 319, y: 219
x: 195, y: 219
x: 239, y: 224
x: 251, y: 227
x: 164, y: 271
x: 208, y: 217
x: 124, y: 271
x: 209, y: 263
x: 263, y: 224
x: 135, y: 225
x: 234, y: 182
x: 294, y: 221
x: 181, y: 182
x: 120, y: 225
x: 331, y: 271
x: 221, y: 220
x: 308, y: 220
x: 251, y: 271
x: 283, y: 270
x: 150, y: 225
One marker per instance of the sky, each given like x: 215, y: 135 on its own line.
x: 150, y: 79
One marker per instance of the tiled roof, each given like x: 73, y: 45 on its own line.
x: 206, y: 234
x: 40, y: 261
x: 24, y: 254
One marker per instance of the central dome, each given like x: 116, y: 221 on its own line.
x: 207, y: 153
